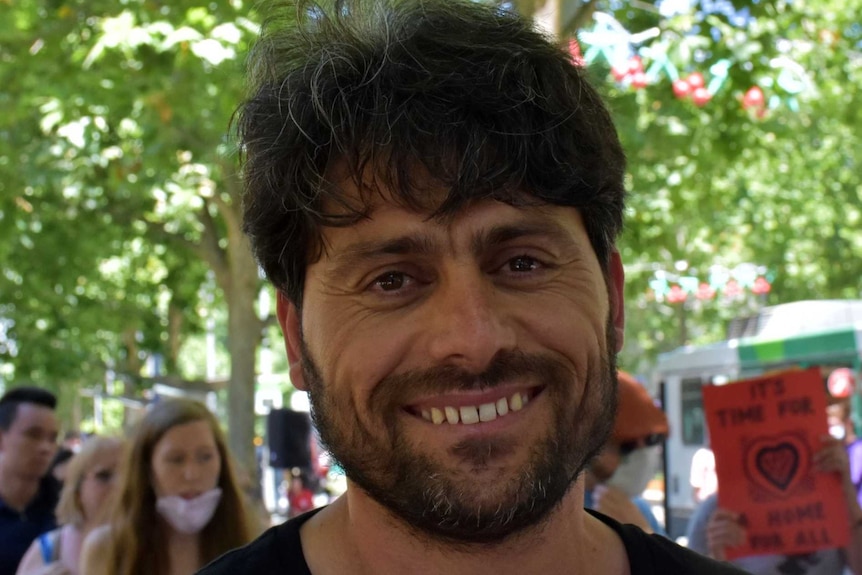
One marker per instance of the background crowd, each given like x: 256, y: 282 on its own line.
x: 164, y: 500
x: 167, y: 498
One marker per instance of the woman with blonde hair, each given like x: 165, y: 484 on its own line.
x: 89, y: 482
x: 178, y: 503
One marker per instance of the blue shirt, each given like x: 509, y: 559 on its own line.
x: 18, y: 529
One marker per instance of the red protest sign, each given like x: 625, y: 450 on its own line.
x: 764, y: 433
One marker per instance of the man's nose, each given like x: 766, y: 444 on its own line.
x: 468, y: 325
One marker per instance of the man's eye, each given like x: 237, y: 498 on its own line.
x: 37, y: 435
x: 390, y: 281
x: 523, y: 264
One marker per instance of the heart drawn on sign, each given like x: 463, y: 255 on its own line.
x: 777, y: 464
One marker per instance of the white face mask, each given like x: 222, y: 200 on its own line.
x: 189, y: 515
x: 837, y: 431
x: 636, y: 470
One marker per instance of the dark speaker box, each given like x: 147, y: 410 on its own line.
x: 289, y: 436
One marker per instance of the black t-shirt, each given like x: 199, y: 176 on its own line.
x: 18, y: 529
x: 279, y: 551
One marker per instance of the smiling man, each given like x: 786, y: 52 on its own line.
x: 435, y: 190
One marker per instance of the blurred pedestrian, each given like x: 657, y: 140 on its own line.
x: 840, y: 418
x: 28, y: 494
x: 619, y: 474
x: 72, y: 440
x: 178, y: 504
x: 89, y: 483
x: 702, y: 476
x: 299, y: 497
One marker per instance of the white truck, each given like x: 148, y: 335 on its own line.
x: 824, y: 333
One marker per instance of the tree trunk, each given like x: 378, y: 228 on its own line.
x: 244, y: 337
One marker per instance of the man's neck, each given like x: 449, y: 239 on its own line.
x: 372, y: 541
x: 17, y: 492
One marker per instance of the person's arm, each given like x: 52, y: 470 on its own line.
x: 32, y: 563
x: 722, y: 531
x: 696, y: 474
x: 696, y: 531
x: 712, y: 529
x: 832, y: 458
x: 32, y: 559
x: 94, y: 552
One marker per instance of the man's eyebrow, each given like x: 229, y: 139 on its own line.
x: 507, y: 232
x: 36, y: 427
x: 371, y: 249
x: 364, y: 251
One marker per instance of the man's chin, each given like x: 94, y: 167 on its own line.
x: 483, y: 515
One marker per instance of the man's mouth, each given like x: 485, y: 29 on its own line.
x: 467, y: 414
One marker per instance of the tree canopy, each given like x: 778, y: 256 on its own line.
x: 759, y: 178
x: 119, y: 196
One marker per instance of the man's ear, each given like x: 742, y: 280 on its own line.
x: 616, y: 280
x: 288, y: 318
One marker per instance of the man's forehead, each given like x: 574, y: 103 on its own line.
x: 486, y: 225
x: 380, y: 215
x: 32, y: 414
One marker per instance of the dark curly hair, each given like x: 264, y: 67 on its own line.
x: 394, y: 90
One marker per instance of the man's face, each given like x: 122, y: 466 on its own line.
x: 500, y: 314
x: 27, y: 447
x: 606, y: 462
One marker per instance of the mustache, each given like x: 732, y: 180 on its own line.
x: 506, y: 366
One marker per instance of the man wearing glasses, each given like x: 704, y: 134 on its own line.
x: 630, y: 459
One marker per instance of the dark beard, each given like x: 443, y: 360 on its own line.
x: 446, y: 504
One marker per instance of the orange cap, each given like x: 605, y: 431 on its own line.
x: 637, y: 414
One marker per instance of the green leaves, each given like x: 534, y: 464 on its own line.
x: 722, y: 185
x: 109, y: 154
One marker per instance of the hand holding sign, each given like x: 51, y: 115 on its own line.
x: 724, y: 530
x: 832, y: 457
x: 770, y: 465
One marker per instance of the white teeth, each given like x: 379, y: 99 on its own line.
x: 437, y: 416
x: 452, y: 415
x: 469, y: 414
x: 502, y: 406
x: 487, y: 412
x: 515, y: 402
